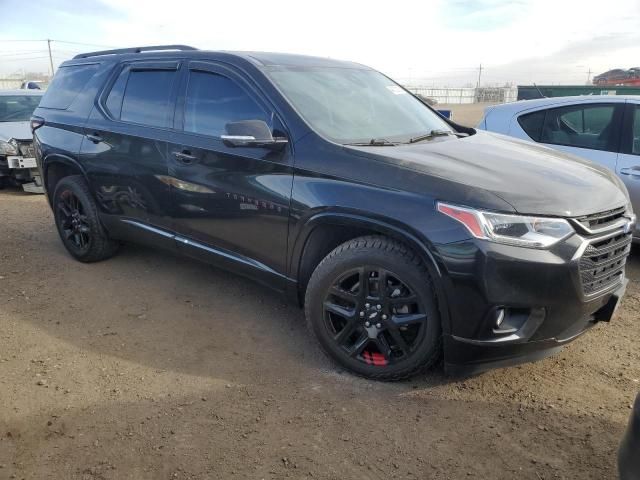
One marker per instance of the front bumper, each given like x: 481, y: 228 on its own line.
x: 540, y: 293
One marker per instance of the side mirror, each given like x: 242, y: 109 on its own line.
x: 251, y: 133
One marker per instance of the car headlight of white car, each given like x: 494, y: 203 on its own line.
x: 518, y: 230
x: 8, y: 148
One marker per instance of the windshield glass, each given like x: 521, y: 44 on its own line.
x: 349, y: 105
x: 17, y: 108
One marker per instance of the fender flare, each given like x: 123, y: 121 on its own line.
x: 384, y: 227
x: 60, y: 158
x: 54, y: 158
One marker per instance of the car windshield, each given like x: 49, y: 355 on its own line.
x: 18, y: 108
x: 352, y: 105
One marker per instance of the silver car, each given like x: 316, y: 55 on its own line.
x: 601, y: 128
x: 17, y: 155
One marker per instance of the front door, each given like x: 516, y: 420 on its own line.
x: 628, y: 167
x: 231, y: 204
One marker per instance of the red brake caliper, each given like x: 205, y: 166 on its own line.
x: 374, y: 358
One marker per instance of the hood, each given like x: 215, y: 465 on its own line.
x: 531, y: 178
x: 17, y: 130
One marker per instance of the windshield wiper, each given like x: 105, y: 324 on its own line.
x: 436, y: 133
x: 374, y: 142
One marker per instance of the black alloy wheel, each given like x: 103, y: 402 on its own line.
x: 371, y: 305
x: 78, y: 222
x: 373, y: 316
x: 73, y: 221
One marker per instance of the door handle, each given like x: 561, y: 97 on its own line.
x: 185, y: 157
x: 633, y: 171
x: 94, y: 137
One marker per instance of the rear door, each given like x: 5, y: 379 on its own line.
x: 628, y: 167
x: 231, y: 204
x: 126, y: 146
x: 590, y: 131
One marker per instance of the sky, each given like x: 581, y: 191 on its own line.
x: 431, y: 43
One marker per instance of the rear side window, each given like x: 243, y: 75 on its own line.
x: 213, y: 101
x: 67, y: 83
x: 147, y: 98
x: 582, y: 126
x: 531, y: 123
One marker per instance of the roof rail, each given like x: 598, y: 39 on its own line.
x: 135, y: 50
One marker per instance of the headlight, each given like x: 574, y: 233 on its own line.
x: 7, y: 148
x: 519, y: 230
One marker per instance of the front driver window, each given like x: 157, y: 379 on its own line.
x: 213, y: 101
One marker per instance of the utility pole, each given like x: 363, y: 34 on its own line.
x: 479, y: 76
x: 50, y: 57
x: 589, y: 76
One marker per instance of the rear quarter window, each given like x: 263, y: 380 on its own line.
x: 67, y: 83
x: 532, y: 124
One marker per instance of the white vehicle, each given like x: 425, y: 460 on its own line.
x: 601, y: 128
x: 32, y: 85
x: 17, y: 155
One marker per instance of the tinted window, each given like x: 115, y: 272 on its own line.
x: 531, y: 123
x: 17, y: 108
x: 114, y: 100
x: 67, y: 83
x: 213, y: 101
x: 636, y: 132
x: 588, y: 126
x: 147, y: 98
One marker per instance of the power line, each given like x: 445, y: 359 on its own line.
x: 85, y: 44
x: 19, y: 54
x: 24, y: 59
x: 59, y: 41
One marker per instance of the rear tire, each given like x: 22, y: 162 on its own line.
x: 372, y: 307
x: 79, y: 227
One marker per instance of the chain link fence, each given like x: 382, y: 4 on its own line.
x: 467, y: 95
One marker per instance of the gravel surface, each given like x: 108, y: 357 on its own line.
x: 152, y: 366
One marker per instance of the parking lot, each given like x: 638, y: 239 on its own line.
x: 150, y: 366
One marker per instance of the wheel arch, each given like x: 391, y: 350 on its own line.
x: 324, y: 231
x: 54, y: 168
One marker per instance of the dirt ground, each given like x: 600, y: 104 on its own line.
x: 466, y: 114
x: 151, y: 366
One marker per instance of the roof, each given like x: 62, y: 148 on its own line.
x: 25, y: 93
x: 544, y: 102
x: 260, y: 59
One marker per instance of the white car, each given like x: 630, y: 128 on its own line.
x: 602, y: 128
x: 17, y: 155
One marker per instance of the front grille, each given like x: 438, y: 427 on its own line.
x: 602, y: 264
x: 601, y: 220
x: 26, y: 149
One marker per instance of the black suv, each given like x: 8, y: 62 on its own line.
x: 404, y: 235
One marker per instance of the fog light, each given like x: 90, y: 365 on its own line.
x: 499, y: 317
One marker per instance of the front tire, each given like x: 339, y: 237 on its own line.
x: 372, y: 307
x: 77, y: 221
